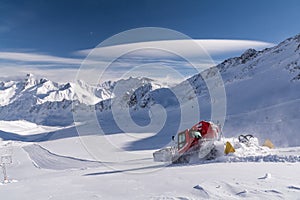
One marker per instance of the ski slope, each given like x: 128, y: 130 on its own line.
x: 42, y: 158
x: 41, y: 173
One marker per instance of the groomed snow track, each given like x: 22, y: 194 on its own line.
x: 42, y: 158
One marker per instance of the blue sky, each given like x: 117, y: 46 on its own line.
x: 59, y: 29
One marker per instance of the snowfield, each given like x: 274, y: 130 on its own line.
x: 23, y: 127
x: 38, y: 173
x: 59, y: 151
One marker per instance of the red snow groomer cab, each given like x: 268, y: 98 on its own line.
x: 198, y: 140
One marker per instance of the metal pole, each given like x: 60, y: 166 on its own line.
x: 4, y: 172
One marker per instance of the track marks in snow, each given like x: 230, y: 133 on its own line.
x: 238, y: 190
x: 293, y: 187
x: 242, y: 193
x: 273, y: 191
x: 201, y: 192
x: 169, y: 198
x: 266, y: 176
x: 264, y: 158
x: 42, y: 158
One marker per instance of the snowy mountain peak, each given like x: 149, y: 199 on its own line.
x: 36, y: 99
x: 250, y: 53
x: 30, y: 81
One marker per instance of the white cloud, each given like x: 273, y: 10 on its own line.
x: 58, y: 75
x: 179, y: 55
x: 34, y: 57
x: 155, y: 53
x: 156, y: 48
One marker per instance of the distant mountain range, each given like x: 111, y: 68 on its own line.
x: 262, y: 90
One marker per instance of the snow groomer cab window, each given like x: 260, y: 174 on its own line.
x: 181, y: 139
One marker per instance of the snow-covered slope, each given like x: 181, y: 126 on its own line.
x: 54, y: 170
x: 24, y: 128
x: 261, y: 93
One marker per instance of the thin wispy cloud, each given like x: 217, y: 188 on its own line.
x: 8, y: 72
x: 38, y: 58
x: 213, y: 47
x: 125, y: 57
